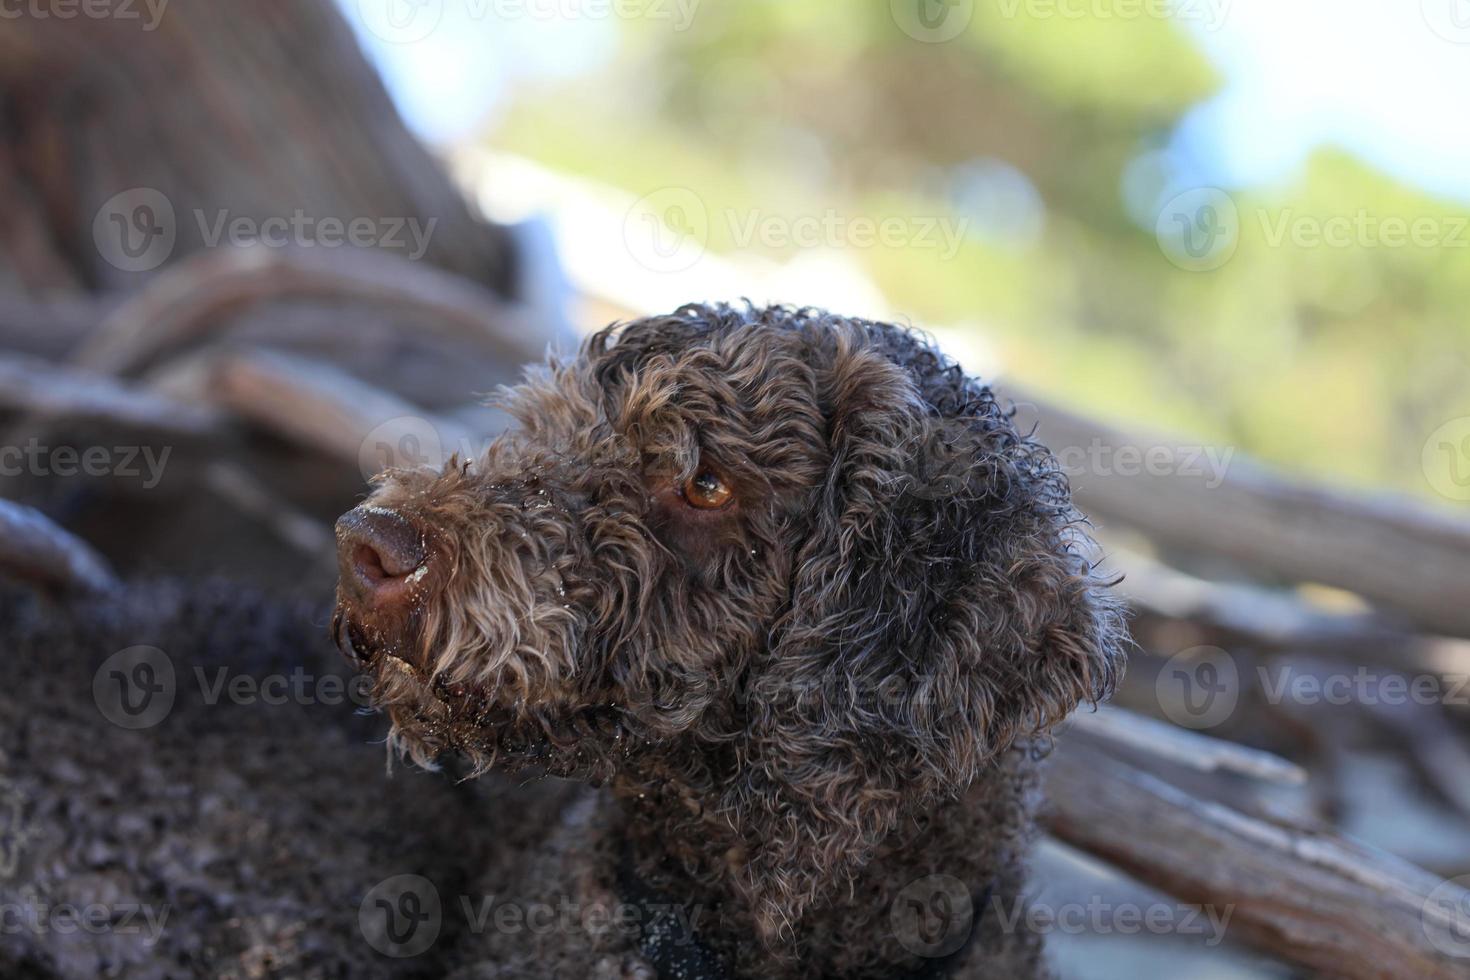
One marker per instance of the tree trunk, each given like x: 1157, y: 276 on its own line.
x: 260, y: 110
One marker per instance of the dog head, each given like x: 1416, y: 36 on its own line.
x: 803, y: 549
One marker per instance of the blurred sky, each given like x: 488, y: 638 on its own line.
x: 1386, y: 79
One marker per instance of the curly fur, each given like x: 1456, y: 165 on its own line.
x: 803, y: 702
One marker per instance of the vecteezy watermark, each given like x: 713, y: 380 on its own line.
x: 40, y: 917
x: 1198, y: 230
x: 137, y: 688
x: 411, y: 21
x: 297, y: 687
x: 1097, y: 915
x: 1445, y: 917
x: 148, y: 13
x: 403, y: 916
x: 413, y: 442
x: 1363, y: 229
x: 1198, y: 687
x: 833, y: 229
x: 1446, y: 459
x: 1287, y: 683
x: 129, y: 462
x: 668, y: 230
x: 405, y: 442
x: 933, y: 916
x: 1098, y: 458
x: 1210, y: 14
x: 932, y: 21
x: 137, y: 230
x: 1202, y: 686
x: 1450, y: 19
x: 677, y: 923
x: 945, y: 469
x: 301, y: 230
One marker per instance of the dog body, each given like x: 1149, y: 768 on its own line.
x: 796, y: 591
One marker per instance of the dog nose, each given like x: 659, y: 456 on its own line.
x: 379, y: 554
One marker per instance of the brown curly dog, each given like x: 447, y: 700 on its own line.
x: 797, y: 591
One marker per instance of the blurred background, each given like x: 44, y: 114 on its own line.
x: 1031, y: 156
x: 1216, y: 251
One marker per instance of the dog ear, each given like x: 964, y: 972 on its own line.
x: 942, y: 609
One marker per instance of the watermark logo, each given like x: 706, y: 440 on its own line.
x: 408, y: 236
x: 932, y: 21
x: 1363, y: 229
x: 1446, y: 459
x: 933, y: 916
x: 142, y: 463
x: 1445, y: 916
x: 38, y: 917
x: 1450, y: 19
x: 668, y: 230
x: 406, y: 442
x: 135, y: 688
x: 1363, y: 686
x: 410, y: 21
x: 1098, y: 916
x: 297, y: 687
x: 401, y: 21
x: 1207, y: 464
x: 148, y: 12
x: 401, y: 916
x: 1198, y: 230
x: 135, y: 230
x: 1210, y: 14
x: 1199, y: 687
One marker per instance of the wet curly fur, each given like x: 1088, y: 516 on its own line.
x: 803, y: 701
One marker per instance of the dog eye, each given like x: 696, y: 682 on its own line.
x: 707, y: 491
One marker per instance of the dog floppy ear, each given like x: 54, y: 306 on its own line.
x: 941, y: 610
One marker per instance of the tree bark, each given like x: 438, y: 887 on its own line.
x: 255, y: 110
x: 1317, y: 900
x: 1398, y: 554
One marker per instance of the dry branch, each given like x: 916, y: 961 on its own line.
x: 1436, y: 748
x: 1314, y: 899
x: 318, y: 406
x: 35, y: 550
x: 48, y: 328
x: 190, y: 301
x: 1169, y: 742
x: 46, y: 392
x: 1267, y: 619
x: 1397, y: 553
x: 248, y: 495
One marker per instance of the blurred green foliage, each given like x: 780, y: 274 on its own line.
x: 1334, y: 360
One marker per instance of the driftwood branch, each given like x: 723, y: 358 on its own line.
x: 245, y: 493
x: 33, y: 549
x: 43, y: 391
x: 1269, y: 620
x: 1313, y: 899
x: 49, y: 328
x: 189, y: 301
x: 1173, y: 744
x: 1396, y: 553
x: 318, y: 406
